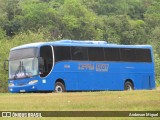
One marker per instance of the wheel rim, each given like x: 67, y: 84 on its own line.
x: 58, y: 89
x: 128, y: 87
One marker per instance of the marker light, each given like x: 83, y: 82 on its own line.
x: 10, y: 84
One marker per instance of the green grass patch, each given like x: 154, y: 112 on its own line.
x: 107, y: 101
x: 147, y: 100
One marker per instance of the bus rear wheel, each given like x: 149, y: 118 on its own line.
x: 128, y: 86
x: 59, y: 87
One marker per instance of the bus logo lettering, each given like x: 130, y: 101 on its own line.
x: 102, y: 67
x: 85, y: 67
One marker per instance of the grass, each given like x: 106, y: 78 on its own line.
x: 108, y: 100
x: 148, y: 100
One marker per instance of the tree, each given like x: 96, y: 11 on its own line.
x: 11, y: 8
x: 78, y: 22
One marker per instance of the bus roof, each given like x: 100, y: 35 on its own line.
x: 79, y: 43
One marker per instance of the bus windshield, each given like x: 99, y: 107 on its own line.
x: 23, y: 68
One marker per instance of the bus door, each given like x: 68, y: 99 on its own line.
x: 45, y: 66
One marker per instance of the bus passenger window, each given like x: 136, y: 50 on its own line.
x: 61, y: 53
x: 112, y: 54
x: 96, y: 54
x: 79, y: 53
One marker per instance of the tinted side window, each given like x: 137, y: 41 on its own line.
x: 143, y: 55
x: 95, y: 54
x: 79, y: 53
x: 128, y: 54
x: 112, y: 54
x: 62, y: 53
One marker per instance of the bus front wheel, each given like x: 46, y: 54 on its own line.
x: 59, y: 87
x: 128, y: 86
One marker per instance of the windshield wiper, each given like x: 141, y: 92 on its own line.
x: 18, y: 70
x: 21, y: 69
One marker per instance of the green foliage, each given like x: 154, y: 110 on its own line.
x: 114, y: 21
x: 2, y: 34
x: 77, y: 21
x: 36, y: 15
x: 157, y: 68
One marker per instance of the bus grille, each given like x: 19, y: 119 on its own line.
x: 21, y: 84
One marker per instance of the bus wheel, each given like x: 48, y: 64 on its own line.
x: 59, y: 87
x: 128, y: 86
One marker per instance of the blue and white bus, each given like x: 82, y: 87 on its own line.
x: 70, y: 65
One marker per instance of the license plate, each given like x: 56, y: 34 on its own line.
x: 22, y: 90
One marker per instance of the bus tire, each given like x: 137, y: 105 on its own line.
x: 59, y: 87
x: 128, y: 86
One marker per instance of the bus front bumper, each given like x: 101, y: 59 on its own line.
x: 22, y: 89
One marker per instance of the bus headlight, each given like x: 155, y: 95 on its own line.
x: 33, y: 82
x: 10, y: 85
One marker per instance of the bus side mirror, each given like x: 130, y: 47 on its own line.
x: 6, y: 65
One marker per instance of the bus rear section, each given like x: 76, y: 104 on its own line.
x: 86, y: 68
